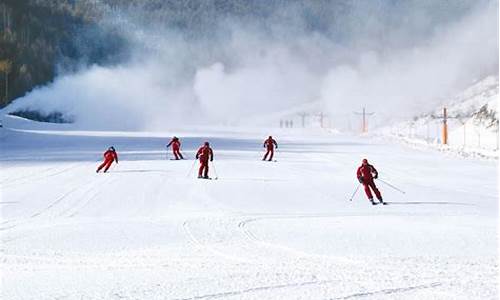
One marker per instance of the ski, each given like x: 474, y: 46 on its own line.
x: 379, y: 203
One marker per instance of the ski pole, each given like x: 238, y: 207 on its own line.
x: 191, y: 169
x: 215, y: 171
x: 390, y: 185
x: 355, y: 191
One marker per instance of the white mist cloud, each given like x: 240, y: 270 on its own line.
x: 251, y: 70
x: 126, y: 97
x: 410, y: 81
x: 259, y: 87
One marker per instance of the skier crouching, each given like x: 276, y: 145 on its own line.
x: 109, y: 156
x: 366, y: 174
x: 269, y: 144
x: 176, y: 147
x: 205, y: 154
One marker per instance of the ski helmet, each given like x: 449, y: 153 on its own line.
x: 365, y: 161
x: 207, y: 144
x: 111, y: 148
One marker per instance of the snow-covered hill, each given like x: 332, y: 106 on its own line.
x: 149, y: 229
x: 472, y: 123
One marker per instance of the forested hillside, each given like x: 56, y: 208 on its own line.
x: 38, y: 38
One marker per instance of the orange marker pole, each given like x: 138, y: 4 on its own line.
x: 445, y: 127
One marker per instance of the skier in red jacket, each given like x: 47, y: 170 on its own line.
x: 176, y: 147
x: 366, y: 174
x: 270, y: 143
x: 205, y: 153
x: 109, y: 156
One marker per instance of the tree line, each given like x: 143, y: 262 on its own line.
x: 37, y: 39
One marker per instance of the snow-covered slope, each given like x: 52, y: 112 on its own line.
x: 264, y: 230
x: 472, y: 123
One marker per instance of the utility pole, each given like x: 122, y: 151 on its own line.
x: 364, y: 127
x: 303, y: 117
x: 445, y: 126
x: 445, y: 117
x: 444, y: 131
x: 321, y: 118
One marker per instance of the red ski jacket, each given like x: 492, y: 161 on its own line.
x: 367, y: 172
x: 176, y: 144
x: 110, y: 155
x: 270, y: 143
x: 205, y: 153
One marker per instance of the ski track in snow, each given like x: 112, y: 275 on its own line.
x: 89, y: 194
x: 30, y: 178
x: 255, y: 289
x: 388, y: 291
x: 262, y: 231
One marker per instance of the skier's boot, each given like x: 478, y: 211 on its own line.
x: 371, y: 200
x: 382, y: 201
x: 206, y: 177
x: 199, y: 176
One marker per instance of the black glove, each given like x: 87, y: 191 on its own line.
x: 196, y: 156
x: 376, y: 176
x: 360, y: 179
x: 212, y: 159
